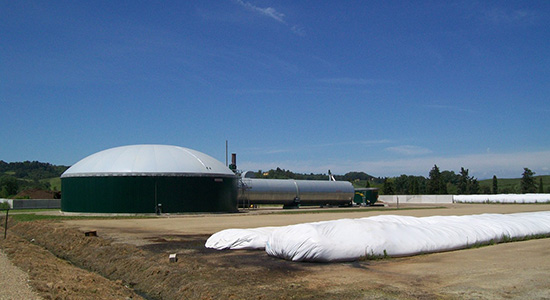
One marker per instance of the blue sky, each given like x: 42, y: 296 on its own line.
x: 383, y: 87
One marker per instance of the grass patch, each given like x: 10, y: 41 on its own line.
x: 372, y: 256
x: 35, y: 217
x: 55, y: 183
x: 508, y: 239
x: 321, y: 211
x: 31, y: 210
x: 29, y: 217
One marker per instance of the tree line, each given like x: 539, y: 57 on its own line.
x: 437, y: 183
x: 18, y: 176
x: 448, y: 182
x: 33, y: 170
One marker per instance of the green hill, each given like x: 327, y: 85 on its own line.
x: 16, y: 177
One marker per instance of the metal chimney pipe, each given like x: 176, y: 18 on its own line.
x: 233, y: 165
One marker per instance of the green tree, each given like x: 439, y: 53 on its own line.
x: 8, y: 186
x: 527, y: 184
x: 541, y: 189
x: 495, y: 184
x: 387, y: 188
x: 463, y: 187
x: 401, y: 185
x: 450, y: 189
x: 485, y: 190
x: 449, y: 177
x: 436, y: 186
x: 351, y: 176
x: 474, y: 186
x: 415, y: 188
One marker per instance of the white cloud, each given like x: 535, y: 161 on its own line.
x: 277, y: 151
x: 450, y: 107
x: 499, y: 16
x: 268, y: 11
x: 357, y: 142
x: 304, y: 148
x: 274, y: 14
x: 409, y: 150
x: 299, y: 30
x: 352, y: 81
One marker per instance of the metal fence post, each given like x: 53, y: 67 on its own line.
x: 6, y: 224
x: 397, y: 201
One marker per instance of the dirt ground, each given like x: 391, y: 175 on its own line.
x: 133, y: 255
x: 14, y: 281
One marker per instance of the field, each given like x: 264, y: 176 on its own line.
x: 55, y: 183
x: 131, y: 255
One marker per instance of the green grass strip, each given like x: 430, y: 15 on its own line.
x: 322, y: 211
x: 36, y: 217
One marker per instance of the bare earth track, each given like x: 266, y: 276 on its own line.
x: 133, y: 255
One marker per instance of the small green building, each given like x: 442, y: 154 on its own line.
x: 149, y: 179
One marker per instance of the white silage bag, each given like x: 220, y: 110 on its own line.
x: 254, y: 238
x: 347, y: 240
x: 321, y: 241
x: 503, y: 198
x: 352, y: 239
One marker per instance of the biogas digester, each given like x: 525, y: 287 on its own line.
x: 149, y: 179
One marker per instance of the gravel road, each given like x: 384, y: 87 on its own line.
x: 14, y: 281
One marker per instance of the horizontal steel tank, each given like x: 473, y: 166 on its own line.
x: 290, y: 192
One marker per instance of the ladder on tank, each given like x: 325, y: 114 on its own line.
x: 243, y: 200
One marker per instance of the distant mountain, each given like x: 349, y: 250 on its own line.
x: 287, y: 174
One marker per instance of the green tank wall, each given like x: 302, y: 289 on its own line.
x: 141, y: 194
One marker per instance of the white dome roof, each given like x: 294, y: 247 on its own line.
x: 142, y: 160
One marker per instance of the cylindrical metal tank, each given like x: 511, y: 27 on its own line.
x: 291, y: 192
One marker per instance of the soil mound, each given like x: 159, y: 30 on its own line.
x: 198, y: 273
x: 54, y: 278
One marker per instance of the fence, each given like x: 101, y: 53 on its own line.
x: 32, y: 203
